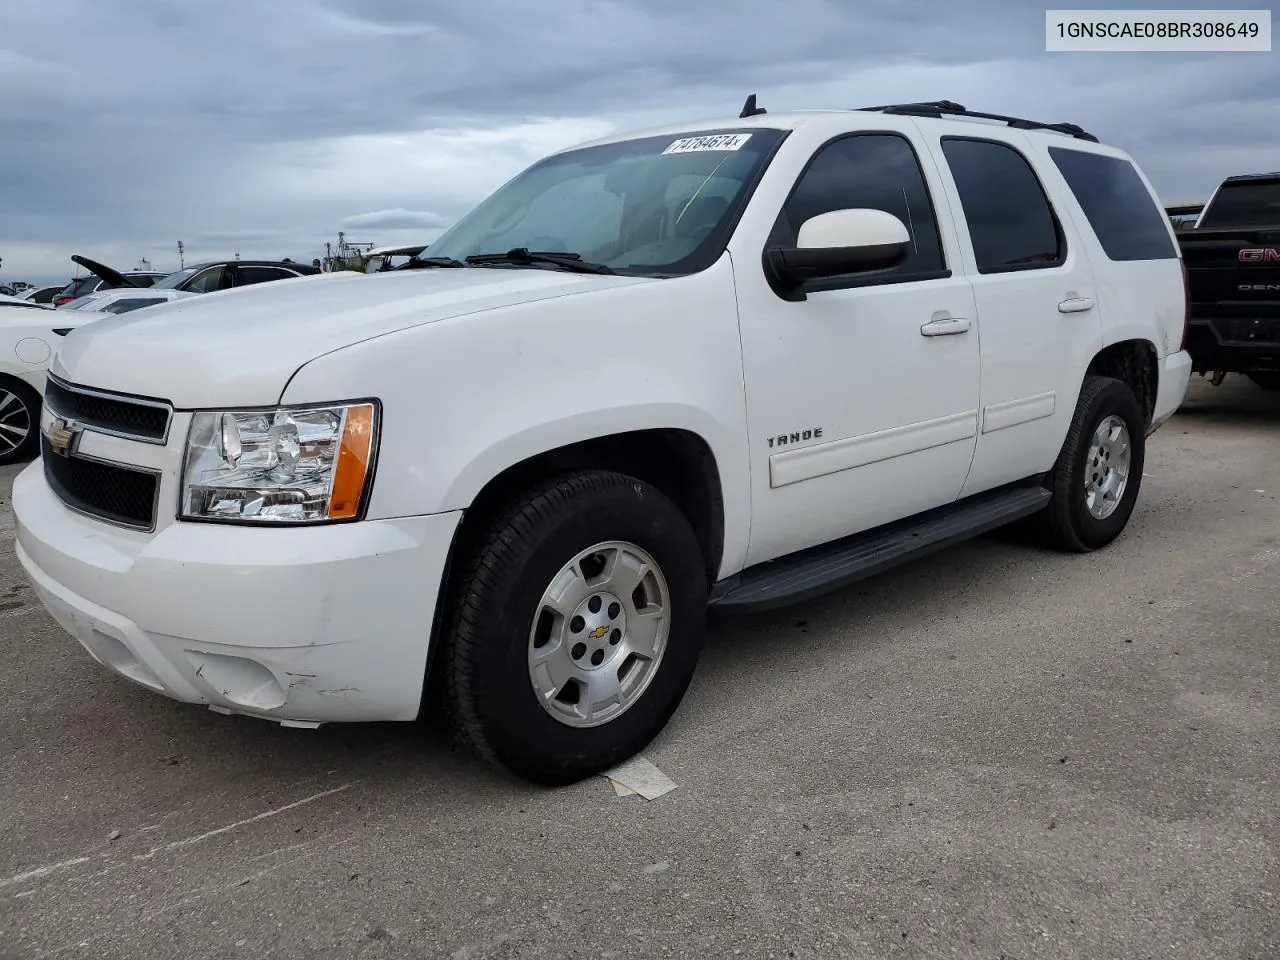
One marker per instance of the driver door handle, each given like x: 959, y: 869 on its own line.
x: 944, y: 327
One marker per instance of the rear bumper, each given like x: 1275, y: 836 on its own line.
x: 1175, y: 374
x: 1257, y: 346
x: 305, y: 626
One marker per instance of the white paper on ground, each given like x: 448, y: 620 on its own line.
x: 639, y: 775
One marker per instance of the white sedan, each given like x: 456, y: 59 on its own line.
x: 29, y: 336
x: 124, y: 299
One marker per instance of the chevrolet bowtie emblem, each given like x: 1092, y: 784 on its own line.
x: 61, y: 435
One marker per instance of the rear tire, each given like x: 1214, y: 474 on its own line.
x: 19, y: 421
x: 1096, y: 479
x: 1266, y: 379
x: 575, y: 627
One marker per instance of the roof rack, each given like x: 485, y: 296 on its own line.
x: 948, y: 108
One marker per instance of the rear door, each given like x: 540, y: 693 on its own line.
x: 1036, y: 302
x: 1130, y: 242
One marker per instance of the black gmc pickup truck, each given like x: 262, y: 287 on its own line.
x: 1232, y: 259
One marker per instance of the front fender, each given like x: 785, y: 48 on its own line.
x: 466, y: 398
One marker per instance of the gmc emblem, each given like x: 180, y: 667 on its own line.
x: 1260, y: 255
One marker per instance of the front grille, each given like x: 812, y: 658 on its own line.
x: 138, y: 419
x: 1247, y: 330
x: 122, y: 495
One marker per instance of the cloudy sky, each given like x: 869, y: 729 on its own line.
x: 263, y: 128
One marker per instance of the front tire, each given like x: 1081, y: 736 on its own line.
x: 19, y: 421
x: 1096, y: 479
x: 1266, y: 379
x: 575, y: 628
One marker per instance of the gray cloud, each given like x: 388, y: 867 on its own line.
x: 128, y: 125
x: 396, y: 220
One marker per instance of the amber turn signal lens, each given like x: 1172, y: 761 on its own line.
x: 352, y: 470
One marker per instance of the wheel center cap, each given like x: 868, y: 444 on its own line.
x: 597, y: 630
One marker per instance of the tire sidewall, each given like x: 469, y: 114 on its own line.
x: 1114, y: 399
x: 516, y: 725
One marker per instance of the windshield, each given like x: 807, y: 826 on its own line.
x: 1244, y: 204
x: 656, y: 205
x: 172, y: 281
x: 80, y: 303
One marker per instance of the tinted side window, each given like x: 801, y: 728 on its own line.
x: 206, y: 281
x: 874, y: 170
x: 1011, y: 224
x: 1126, y: 220
x: 248, y: 275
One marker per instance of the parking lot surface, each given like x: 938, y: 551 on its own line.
x: 995, y: 752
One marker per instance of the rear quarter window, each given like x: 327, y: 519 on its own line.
x: 1126, y: 219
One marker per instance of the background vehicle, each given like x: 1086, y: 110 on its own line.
x: 106, y: 280
x: 224, y: 274
x: 29, y: 336
x: 7, y: 300
x: 125, y: 299
x: 1183, y: 216
x: 1232, y: 256
x: 382, y: 259
x: 735, y: 366
x: 43, y: 294
x: 205, y: 277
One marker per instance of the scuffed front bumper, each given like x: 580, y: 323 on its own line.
x: 302, y: 626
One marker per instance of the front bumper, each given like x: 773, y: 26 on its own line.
x: 303, y: 626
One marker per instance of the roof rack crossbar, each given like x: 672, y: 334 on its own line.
x: 948, y: 108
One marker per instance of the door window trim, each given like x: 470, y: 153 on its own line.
x: 1064, y: 247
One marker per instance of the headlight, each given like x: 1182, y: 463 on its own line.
x: 291, y: 465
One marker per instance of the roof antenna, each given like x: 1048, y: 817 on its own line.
x: 749, y: 109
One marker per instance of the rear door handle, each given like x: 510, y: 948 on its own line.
x: 944, y: 327
x: 1075, y: 305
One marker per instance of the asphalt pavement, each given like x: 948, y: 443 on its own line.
x: 996, y: 752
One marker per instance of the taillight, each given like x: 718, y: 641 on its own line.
x: 1186, y: 299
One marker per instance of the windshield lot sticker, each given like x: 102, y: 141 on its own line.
x: 725, y: 141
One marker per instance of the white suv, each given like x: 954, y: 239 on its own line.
x: 730, y: 365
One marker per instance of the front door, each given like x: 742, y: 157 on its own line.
x: 862, y: 398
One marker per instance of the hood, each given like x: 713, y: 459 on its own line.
x: 111, y: 278
x: 239, y: 347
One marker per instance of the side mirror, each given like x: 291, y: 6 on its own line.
x: 837, y: 243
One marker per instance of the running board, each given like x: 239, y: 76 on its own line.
x: 831, y: 566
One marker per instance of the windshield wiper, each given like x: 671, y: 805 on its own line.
x: 523, y: 255
x: 417, y: 262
